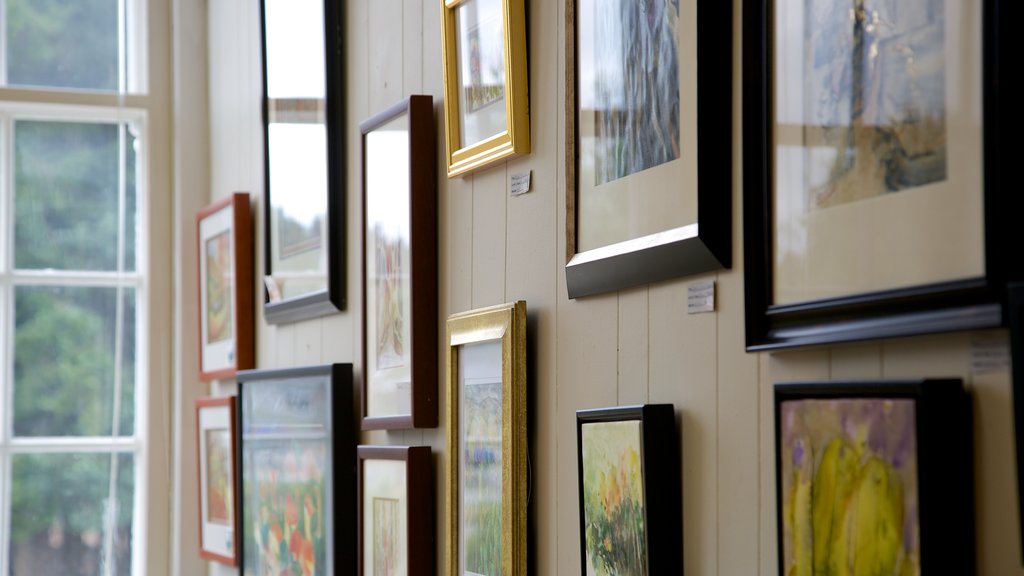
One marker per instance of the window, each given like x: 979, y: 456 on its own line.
x: 74, y: 302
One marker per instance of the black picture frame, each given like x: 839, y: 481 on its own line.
x: 420, y: 311
x: 291, y: 393
x: 972, y: 303
x: 661, y: 475
x: 944, y: 460
x: 694, y: 247
x: 333, y: 297
x: 1016, y: 314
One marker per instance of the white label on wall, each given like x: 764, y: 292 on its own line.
x: 701, y: 297
x: 989, y: 353
x: 520, y: 183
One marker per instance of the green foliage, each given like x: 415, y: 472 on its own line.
x: 63, y: 43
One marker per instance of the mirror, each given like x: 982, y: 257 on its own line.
x: 303, y: 119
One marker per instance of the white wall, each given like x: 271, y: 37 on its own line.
x: 634, y: 346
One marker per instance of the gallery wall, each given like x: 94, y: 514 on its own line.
x: 634, y: 346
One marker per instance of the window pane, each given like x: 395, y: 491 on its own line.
x: 66, y: 196
x: 64, y: 346
x: 63, y: 43
x: 61, y: 512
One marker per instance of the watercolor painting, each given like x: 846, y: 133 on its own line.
x: 219, y: 497
x: 636, y: 86
x: 874, y: 98
x: 390, y: 309
x: 481, y: 478
x: 385, y: 536
x: 286, y: 496
x: 218, y: 287
x: 614, y: 499
x: 848, y: 483
x: 486, y: 66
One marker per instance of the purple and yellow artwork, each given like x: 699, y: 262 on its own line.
x: 849, y: 486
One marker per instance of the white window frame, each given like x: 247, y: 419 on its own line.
x: 139, y: 443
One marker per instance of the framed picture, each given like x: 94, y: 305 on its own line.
x: 224, y: 245
x: 487, y: 451
x: 649, y: 141
x: 876, y: 195
x: 874, y: 477
x: 297, y: 481
x: 304, y: 135
x: 396, y: 511
x: 1016, y: 314
x: 486, y: 89
x: 215, y: 449
x: 399, y: 267
x: 630, y: 488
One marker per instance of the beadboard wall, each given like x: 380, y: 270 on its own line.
x: 630, y: 347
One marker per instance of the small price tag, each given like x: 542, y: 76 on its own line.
x: 989, y: 354
x: 520, y: 183
x: 700, y: 297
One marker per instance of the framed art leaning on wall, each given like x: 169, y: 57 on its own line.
x: 874, y: 477
x: 399, y: 384
x: 303, y: 138
x: 218, y: 507
x: 877, y: 197
x: 224, y: 247
x: 648, y: 114
x: 486, y: 82
x: 486, y: 474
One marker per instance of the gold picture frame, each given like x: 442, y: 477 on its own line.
x: 487, y: 357
x: 486, y: 90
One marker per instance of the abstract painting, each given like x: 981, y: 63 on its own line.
x: 874, y: 98
x: 218, y: 287
x: 386, y: 536
x: 635, y: 86
x: 849, y: 486
x: 481, y: 478
x: 613, y: 499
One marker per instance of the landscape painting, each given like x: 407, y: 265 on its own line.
x: 613, y: 499
x: 874, y: 98
x: 481, y: 478
x: 634, y: 85
x: 218, y: 287
x: 848, y: 486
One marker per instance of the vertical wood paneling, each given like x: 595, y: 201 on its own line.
x: 490, y: 190
x: 385, y: 66
x: 307, y: 343
x: 683, y: 371
x: 856, y: 361
x: 412, y: 46
x: 633, y: 346
x: 460, y: 243
x: 938, y: 356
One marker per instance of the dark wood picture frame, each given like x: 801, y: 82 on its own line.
x: 421, y: 309
x: 661, y: 476
x: 333, y: 298
x: 231, y: 537
x: 944, y: 462
x: 695, y: 247
x: 338, y: 440
x: 1016, y: 314
x: 419, y: 493
x: 241, y: 355
x: 945, y: 306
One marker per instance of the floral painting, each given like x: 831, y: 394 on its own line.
x: 848, y: 483
x: 481, y: 463
x: 385, y: 536
x: 613, y: 499
x: 219, y: 496
x: 285, y: 503
x: 218, y: 287
x: 391, y: 345
x: 874, y: 98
